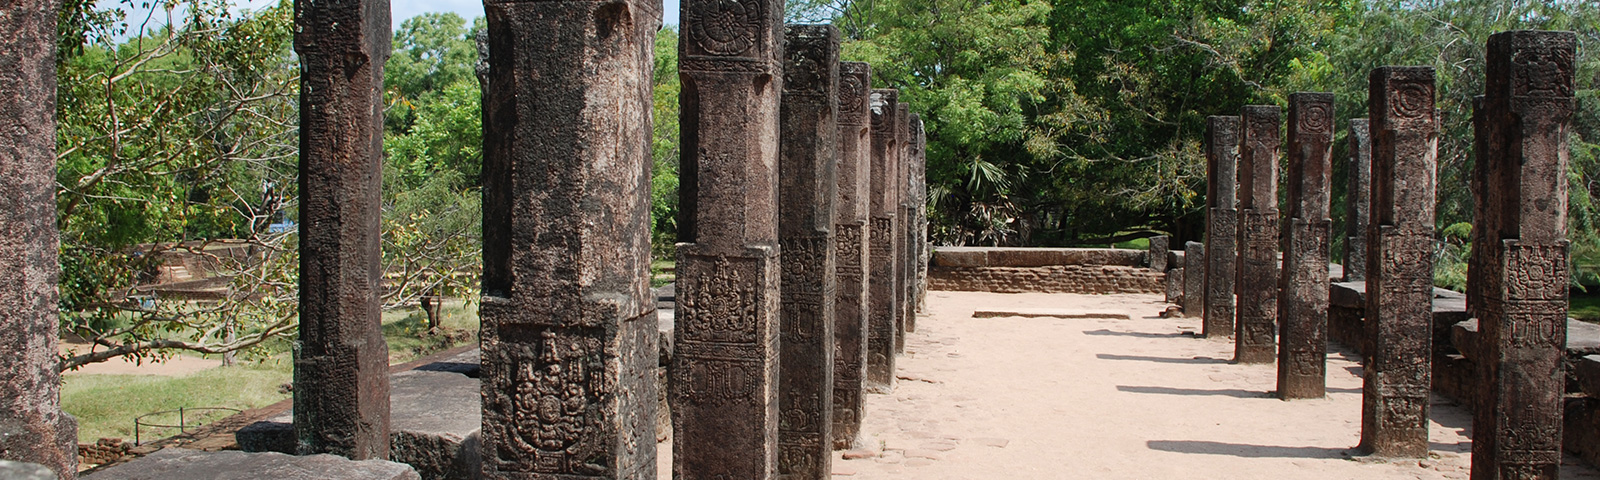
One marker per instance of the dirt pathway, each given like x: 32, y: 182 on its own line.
x: 1048, y: 398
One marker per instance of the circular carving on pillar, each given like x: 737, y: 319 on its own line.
x: 852, y: 95
x: 1413, y: 100
x: 724, y: 27
x: 1316, y: 118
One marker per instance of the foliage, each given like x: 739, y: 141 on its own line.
x: 664, y: 145
x: 170, y: 141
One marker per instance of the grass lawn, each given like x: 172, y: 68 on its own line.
x: 107, y: 404
x: 1586, y: 306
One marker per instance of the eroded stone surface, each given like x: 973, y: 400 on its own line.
x: 1194, y: 281
x: 807, y: 178
x: 1256, y: 324
x: 181, y: 464
x: 850, y: 251
x: 1521, y: 261
x: 1358, y: 200
x: 341, y: 373
x: 1158, y: 252
x: 569, y: 335
x: 1399, y: 283
x: 884, y: 320
x: 725, y: 361
x: 905, y: 312
x: 35, y: 429
x: 1303, y: 284
x: 1222, y: 223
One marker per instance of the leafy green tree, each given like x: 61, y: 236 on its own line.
x: 664, y: 145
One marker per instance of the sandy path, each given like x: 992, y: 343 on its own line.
x: 176, y: 366
x: 1042, y: 398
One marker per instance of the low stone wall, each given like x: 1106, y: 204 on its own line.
x: 1043, y: 270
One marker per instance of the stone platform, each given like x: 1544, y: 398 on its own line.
x: 182, y: 464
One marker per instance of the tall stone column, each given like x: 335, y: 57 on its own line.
x: 1258, y: 235
x: 1222, y: 224
x: 885, y: 205
x: 807, y: 165
x: 919, y: 192
x: 35, y: 429
x: 850, y: 252
x: 569, y: 333
x: 1303, y: 284
x: 1522, y: 313
x: 1394, y: 410
x: 1357, y: 200
x: 341, y: 371
x: 1194, y: 282
x: 725, y: 366
x: 904, y: 267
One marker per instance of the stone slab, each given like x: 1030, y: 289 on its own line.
x: 1048, y: 313
x: 25, y: 471
x: 435, y: 418
x: 1588, y: 372
x: 181, y: 464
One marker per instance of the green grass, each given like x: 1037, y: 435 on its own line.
x: 662, y: 272
x: 406, y: 330
x: 107, y: 404
x: 1135, y: 244
x: 1585, y: 307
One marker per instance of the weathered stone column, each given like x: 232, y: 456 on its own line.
x: 1258, y: 235
x: 1522, y: 314
x: 1303, y: 284
x: 341, y: 374
x: 906, y: 313
x: 1194, y: 283
x: 725, y: 366
x: 885, y: 204
x: 569, y: 331
x: 35, y: 430
x: 1222, y: 227
x: 919, y: 192
x: 808, y: 159
x: 1394, y: 410
x: 1158, y: 252
x: 850, y: 252
x: 1358, y: 201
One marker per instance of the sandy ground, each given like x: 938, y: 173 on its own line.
x: 1137, y: 398
x: 178, y: 365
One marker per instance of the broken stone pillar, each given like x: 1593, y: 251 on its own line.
x: 1394, y: 410
x: 1256, y: 326
x: 725, y: 367
x: 569, y: 333
x: 1303, y: 284
x: 807, y: 163
x: 341, y: 374
x: 1194, y: 282
x: 919, y: 189
x: 33, y: 428
x: 905, y: 312
x: 1222, y: 223
x: 1158, y: 253
x: 850, y: 252
x: 1358, y: 201
x: 1175, y: 284
x: 885, y: 204
x: 1523, y: 274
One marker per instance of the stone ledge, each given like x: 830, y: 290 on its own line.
x: 1034, y: 257
x: 182, y: 464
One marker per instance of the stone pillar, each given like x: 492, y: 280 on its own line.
x: 1258, y: 235
x: 1158, y: 253
x: 725, y: 366
x: 569, y: 333
x: 1174, y: 283
x: 1222, y: 223
x: 1303, y: 284
x: 1394, y: 410
x: 1194, y: 283
x: 919, y: 192
x: 341, y: 374
x: 35, y: 429
x: 884, y: 204
x: 850, y: 252
x: 1522, y: 313
x: 905, y: 312
x: 808, y: 159
x: 1358, y: 201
